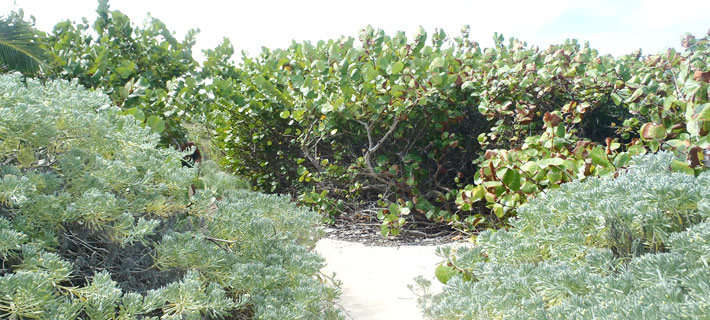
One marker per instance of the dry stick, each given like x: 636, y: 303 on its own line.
x: 424, y: 234
x: 221, y: 240
x: 75, y: 239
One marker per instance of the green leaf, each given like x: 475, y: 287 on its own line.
x: 444, y: 273
x: 530, y: 166
x: 621, y: 160
x: 467, y: 85
x: 395, y: 68
x: 369, y: 70
x: 554, y: 176
x: 616, y: 98
x: 599, y: 157
x: 691, y: 87
x: 528, y: 187
x: 285, y: 114
x: 326, y: 108
x: 635, y: 95
x: 544, y: 163
x: 298, y: 114
x: 394, y: 208
x: 19, y: 49
x: 679, y: 166
x: 478, y: 193
x: 492, y: 184
x: 384, y: 230
x: 704, y: 113
x: 436, y: 63
x: 135, y: 112
x: 155, y: 123
x: 498, y: 210
x: 511, y: 179
x: 124, y: 72
x: 436, y: 79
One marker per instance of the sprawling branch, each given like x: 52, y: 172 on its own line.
x: 372, y: 147
x: 306, y: 149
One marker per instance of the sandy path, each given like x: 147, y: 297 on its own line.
x: 375, y: 279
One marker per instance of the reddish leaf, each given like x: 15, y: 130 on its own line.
x: 581, y: 146
x: 687, y: 41
x: 694, y: 156
x: 652, y: 131
x: 459, y: 81
x: 608, y: 144
x: 490, y: 154
x: 678, y: 126
x: 551, y: 119
x: 699, y: 76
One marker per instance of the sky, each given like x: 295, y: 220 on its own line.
x: 613, y: 27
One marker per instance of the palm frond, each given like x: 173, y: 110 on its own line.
x: 19, y: 48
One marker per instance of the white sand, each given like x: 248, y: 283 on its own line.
x: 375, y: 279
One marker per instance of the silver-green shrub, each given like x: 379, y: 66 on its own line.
x: 98, y: 223
x: 632, y: 247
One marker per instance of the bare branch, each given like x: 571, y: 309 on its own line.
x: 373, y: 148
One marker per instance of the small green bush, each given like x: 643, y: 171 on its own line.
x: 632, y: 247
x: 98, y: 223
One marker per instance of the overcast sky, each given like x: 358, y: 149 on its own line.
x: 615, y: 27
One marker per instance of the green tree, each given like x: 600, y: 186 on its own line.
x: 20, y: 48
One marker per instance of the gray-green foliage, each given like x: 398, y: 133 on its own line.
x: 634, y: 247
x: 98, y: 223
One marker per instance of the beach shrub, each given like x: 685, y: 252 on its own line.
x: 631, y: 247
x: 97, y: 222
x: 438, y: 128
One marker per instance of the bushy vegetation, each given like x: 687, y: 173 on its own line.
x: 427, y: 127
x: 97, y: 222
x: 141, y: 68
x: 449, y: 131
x: 631, y: 247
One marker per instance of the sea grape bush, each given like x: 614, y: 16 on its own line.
x: 353, y: 125
x: 449, y: 131
x: 97, y: 222
x: 141, y: 68
x: 574, y: 114
x: 631, y: 247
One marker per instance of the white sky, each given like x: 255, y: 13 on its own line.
x: 615, y: 27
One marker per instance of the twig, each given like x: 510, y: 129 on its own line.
x: 221, y: 240
x: 423, y: 234
x: 71, y: 236
x: 305, y: 148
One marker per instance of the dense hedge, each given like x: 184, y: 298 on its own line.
x: 96, y: 222
x: 450, y: 131
x: 419, y: 128
x: 633, y: 247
